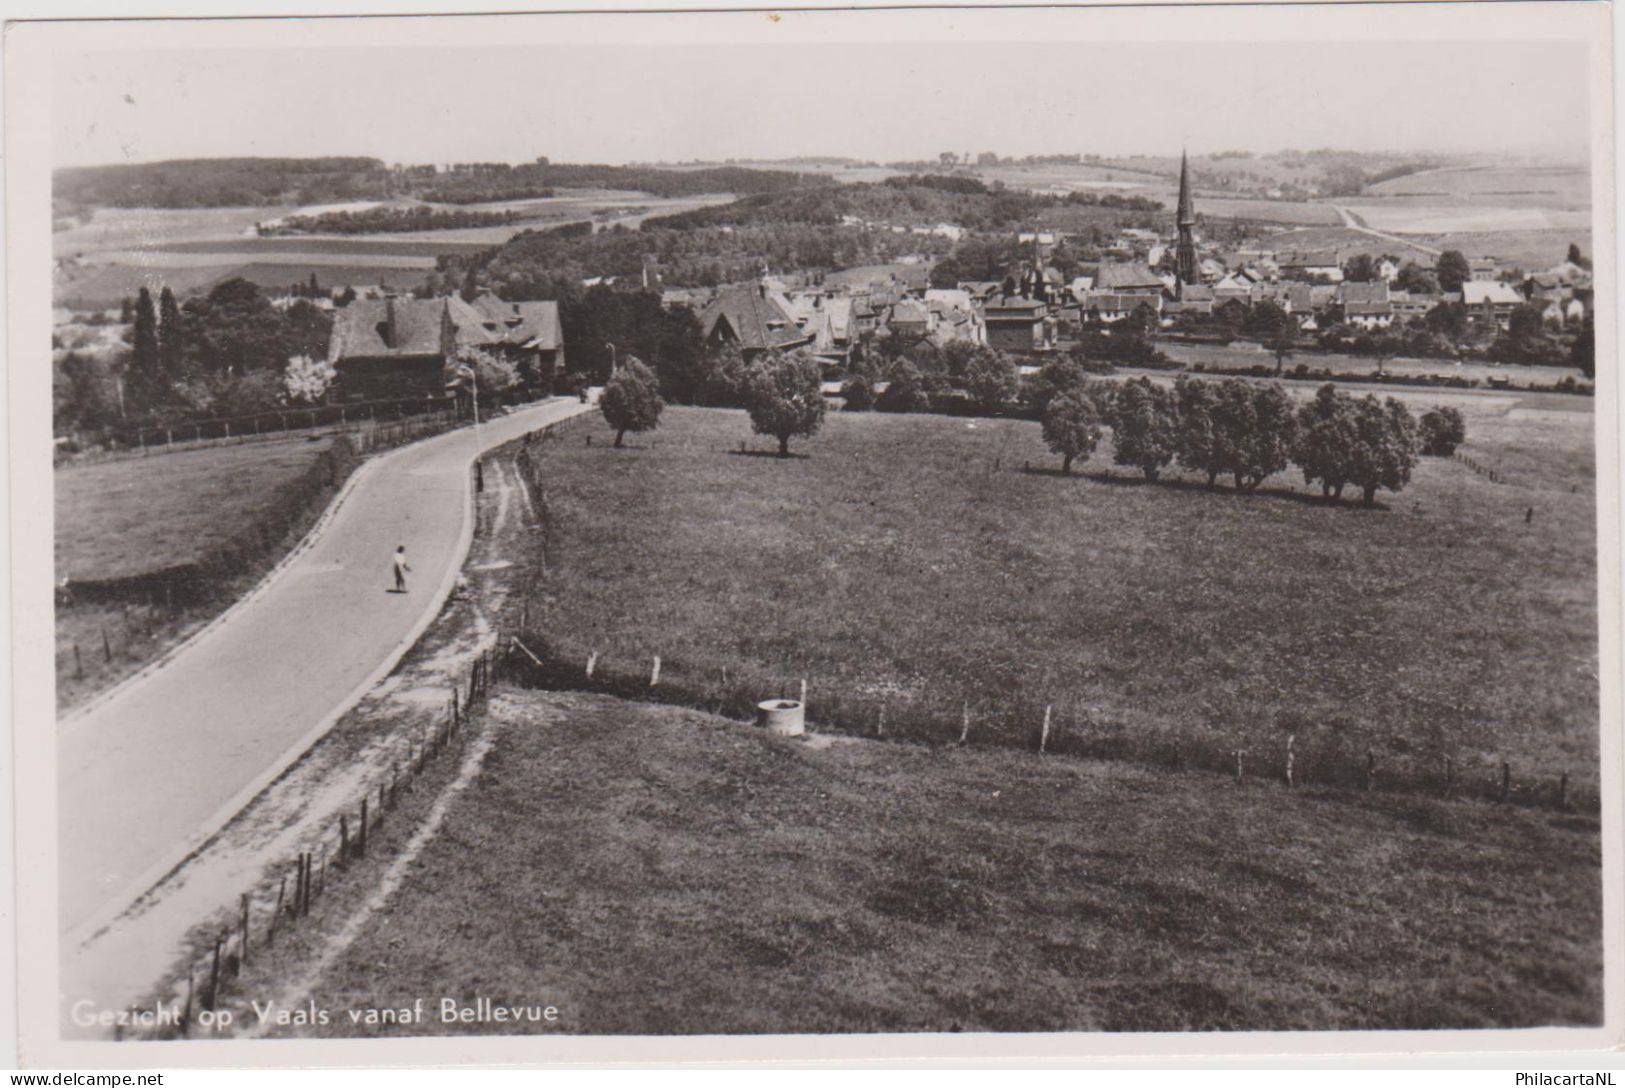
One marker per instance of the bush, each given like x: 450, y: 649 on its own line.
x: 858, y: 395
x: 1443, y: 429
x: 907, y: 391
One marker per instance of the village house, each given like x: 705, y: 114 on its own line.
x: 397, y: 347
x: 1488, y: 301
x: 1017, y: 324
x: 1127, y: 278
x: 954, y: 316
x: 752, y: 317
x: 1311, y: 267
x: 1483, y: 269
x: 1410, y: 305
x: 1365, y: 305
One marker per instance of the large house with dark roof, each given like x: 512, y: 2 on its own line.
x: 397, y: 347
x: 752, y: 317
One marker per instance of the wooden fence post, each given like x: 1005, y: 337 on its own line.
x: 276, y: 915
x: 344, y: 836
x: 361, y: 833
x: 592, y: 661
x: 1043, y: 736
x: 654, y: 672
x: 1370, y: 770
x: 214, y: 978
x: 243, y: 932
x: 78, y: 667
x: 964, y: 722
x: 1289, y: 759
x: 1238, y: 764
x: 1506, y: 779
x: 107, y: 648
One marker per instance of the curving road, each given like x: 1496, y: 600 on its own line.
x: 151, y: 771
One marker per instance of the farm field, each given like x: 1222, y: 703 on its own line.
x: 912, y: 565
x: 848, y: 885
x: 121, y: 250
x: 102, y: 286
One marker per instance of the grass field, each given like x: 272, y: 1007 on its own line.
x: 909, y: 563
x: 132, y: 516
x: 649, y: 870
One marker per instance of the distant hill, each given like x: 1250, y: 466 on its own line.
x: 219, y: 183
x: 234, y: 182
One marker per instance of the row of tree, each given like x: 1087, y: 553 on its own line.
x: 1244, y: 430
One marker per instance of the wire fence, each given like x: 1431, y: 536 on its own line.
x: 273, y: 909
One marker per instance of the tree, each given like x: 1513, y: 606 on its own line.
x: 147, y: 384
x: 1145, y: 426
x: 1417, y: 280
x: 1453, y: 270
x: 1071, y: 425
x: 1525, y: 321
x: 493, y: 374
x: 1281, y: 345
x: 1448, y: 319
x: 171, y: 336
x: 1384, y: 450
x: 235, y: 329
x: 1326, y: 434
x: 1575, y: 257
x: 1583, y: 352
x: 991, y: 380
x: 1057, y: 376
x: 1200, y: 446
x: 1443, y: 429
x: 631, y: 400
x: 785, y: 399
x: 1256, y: 426
x: 722, y: 383
x: 907, y: 390
x: 307, y: 380
x: 1361, y: 268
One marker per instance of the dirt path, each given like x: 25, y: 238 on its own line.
x: 1354, y: 222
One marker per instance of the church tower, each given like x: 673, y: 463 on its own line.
x: 1185, y: 218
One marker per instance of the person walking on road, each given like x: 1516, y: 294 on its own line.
x: 401, y: 567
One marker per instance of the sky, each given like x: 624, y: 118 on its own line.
x: 626, y: 102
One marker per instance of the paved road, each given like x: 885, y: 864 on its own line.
x: 147, y: 775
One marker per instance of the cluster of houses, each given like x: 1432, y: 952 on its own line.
x: 1035, y: 307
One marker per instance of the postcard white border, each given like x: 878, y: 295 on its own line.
x: 30, y: 52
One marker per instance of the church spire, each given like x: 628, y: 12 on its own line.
x: 1185, y: 220
x: 1187, y: 211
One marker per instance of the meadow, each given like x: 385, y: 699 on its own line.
x: 128, y: 528
x: 653, y: 870
x: 918, y: 570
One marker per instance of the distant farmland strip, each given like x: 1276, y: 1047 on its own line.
x: 355, y: 247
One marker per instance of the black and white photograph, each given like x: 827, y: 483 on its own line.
x: 666, y: 529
